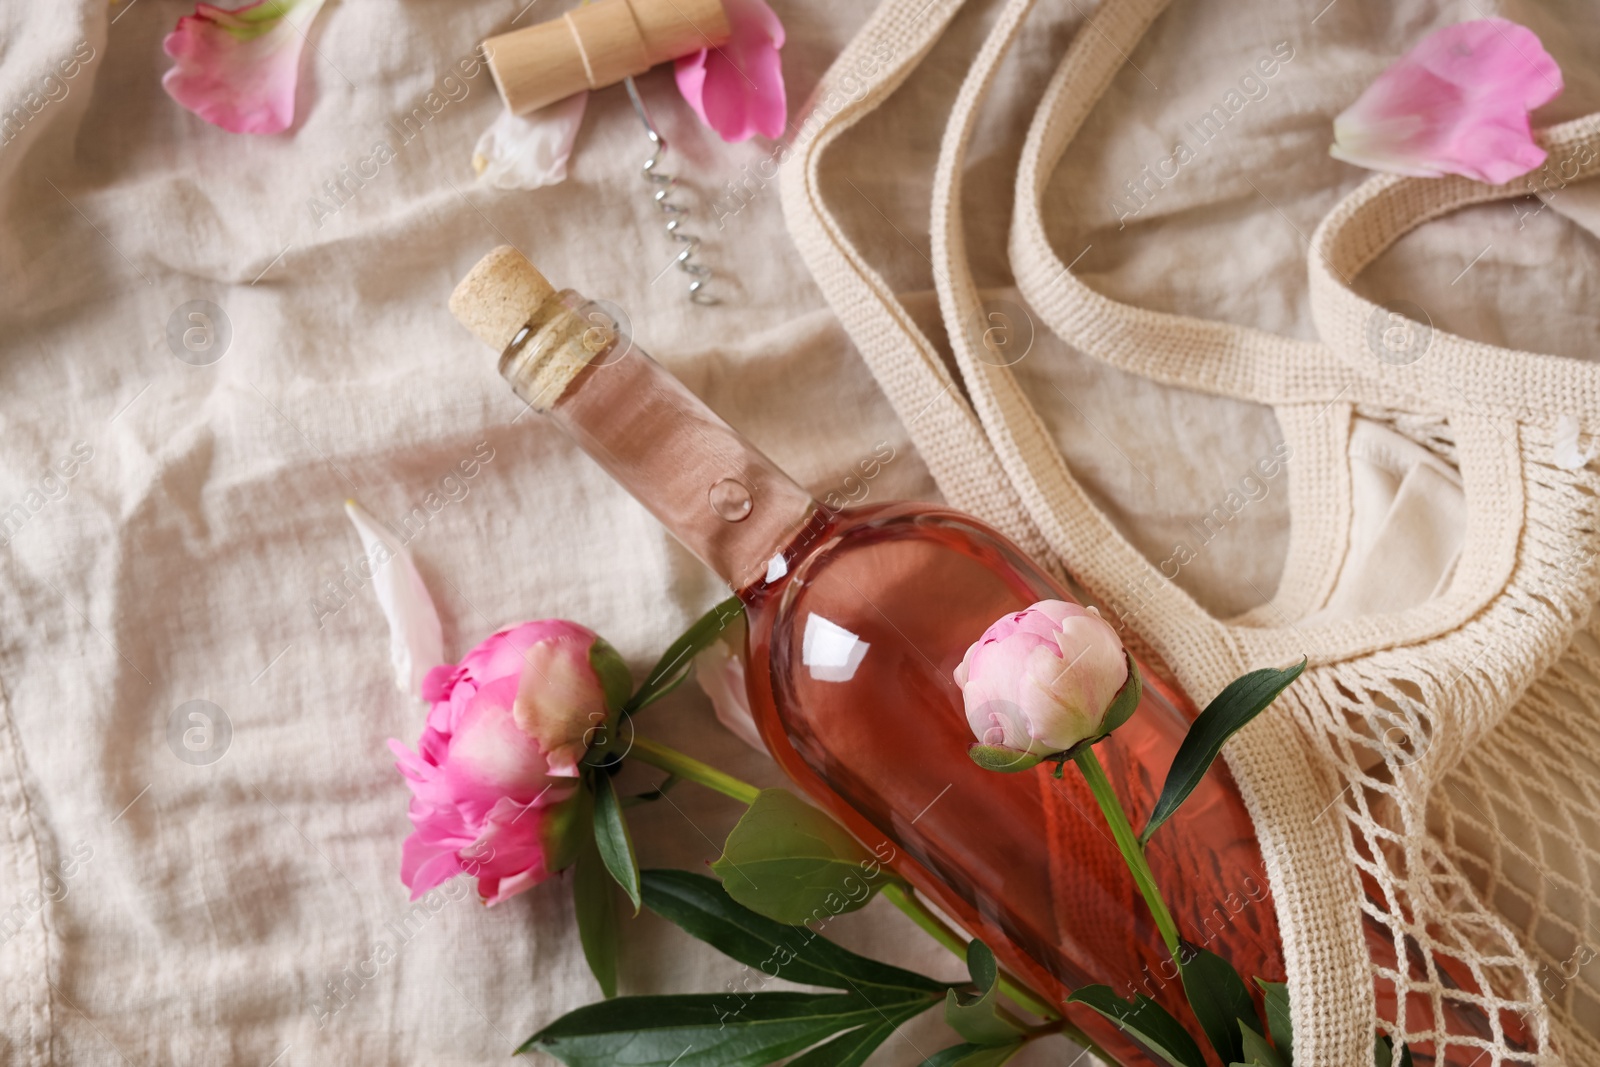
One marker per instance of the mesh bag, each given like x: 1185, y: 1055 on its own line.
x: 1427, y: 796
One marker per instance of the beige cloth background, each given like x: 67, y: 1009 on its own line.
x: 208, y: 908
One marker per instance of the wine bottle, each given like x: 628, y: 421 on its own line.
x: 857, y: 619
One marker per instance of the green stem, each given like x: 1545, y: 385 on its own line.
x: 674, y: 762
x: 904, y: 897
x: 1128, y: 843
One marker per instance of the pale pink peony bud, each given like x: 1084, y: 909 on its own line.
x: 1041, y: 681
x: 494, y: 778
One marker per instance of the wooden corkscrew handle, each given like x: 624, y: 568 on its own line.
x: 599, y: 44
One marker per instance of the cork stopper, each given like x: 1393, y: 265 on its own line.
x: 545, y: 339
x: 499, y: 296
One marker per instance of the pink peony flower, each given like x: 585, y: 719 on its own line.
x: 1041, y: 681
x: 737, y: 89
x: 1457, y: 103
x: 494, y: 778
x: 237, y: 68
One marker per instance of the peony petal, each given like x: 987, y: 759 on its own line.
x: 530, y: 151
x: 416, y: 642
x: 409, y: 764
x: 438, y: 683
x: 237, y: 69
x: 1457, y: 103
x: 424, y: 865
x: 490, y: 758
x: 719, y: 671
x: 503, y: 653
x: 560, y: 701
x: 738, y: 89
x: 510, y: 855
x: 1091, y: 654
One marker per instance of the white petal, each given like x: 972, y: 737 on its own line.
x: 529, y: 151
x: 1568, y: 456
x: 416, y: 642
x: 719, y: 670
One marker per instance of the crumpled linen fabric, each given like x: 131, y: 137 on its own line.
x: 172, y: 505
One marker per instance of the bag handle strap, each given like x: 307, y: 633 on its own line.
x: 1060, y: 508
x: 1304, y: 854
x: 1453, y: 373
x: 1199, y: 354
x: 905, y: 363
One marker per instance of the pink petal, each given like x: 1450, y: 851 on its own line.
x: 437, y: 683
x: 237, y: 69
x: 737, y: 89
x: 409, y: 764
x: 424, y: 866
x: 1457, y: 103
x: 504, y: 653
x: 446, y: 713
x: 490, y: 758
x: 509, y: 856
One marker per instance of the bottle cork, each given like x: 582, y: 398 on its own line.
x: 499, y: 295
x: 599, y: 44
x: 504, y: 297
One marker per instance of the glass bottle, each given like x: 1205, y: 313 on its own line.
x: 857, y: 620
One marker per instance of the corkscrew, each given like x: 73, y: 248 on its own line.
x: 663, y: 185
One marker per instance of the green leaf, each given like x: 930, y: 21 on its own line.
x: 673, y: 666
x: 1241, y: 701
x: 1219, y: 998
x: 597, y: 917
x: 1127, y: 699
x: 852, y: 1049
x: 973, y: 1055
x: 703, y: 908
x: 1004, y: 760
x: 612, y: 838
x: 1277, y: 997
x: 705, y: 1029
x: 1383, y: 1053
x: 790, y: 862
x: 976, y: 1016
x: 981, y: 967
x: 1256, y: 1051
x: 1147, y: 1021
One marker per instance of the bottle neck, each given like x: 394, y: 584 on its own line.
x: 725, y: 501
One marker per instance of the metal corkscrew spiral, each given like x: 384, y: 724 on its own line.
x: 663, y: 184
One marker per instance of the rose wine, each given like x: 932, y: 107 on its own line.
x: 857, y: 621
x: 1021, y: 860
